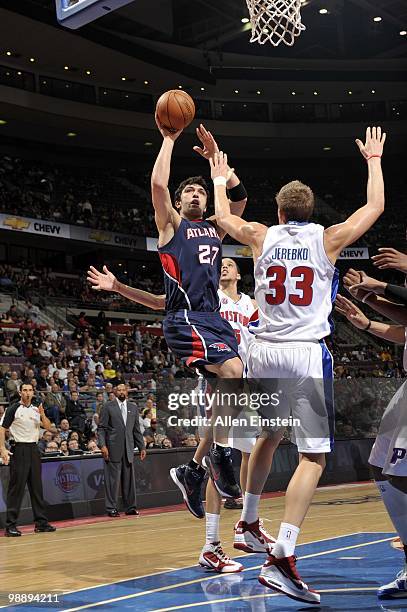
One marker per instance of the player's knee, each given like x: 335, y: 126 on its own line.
x: 399, y: 482
x: 317, y: 459
x: 233, y: 368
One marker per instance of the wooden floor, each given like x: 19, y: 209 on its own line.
x: 112, y: 550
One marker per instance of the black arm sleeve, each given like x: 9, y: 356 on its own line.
x: 394, y: 292
x: 9, y: 415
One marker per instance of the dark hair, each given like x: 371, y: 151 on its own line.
x: 25, y: 384
x: 192, y: 180
x: 235, y: 262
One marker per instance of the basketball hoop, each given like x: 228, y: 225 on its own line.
x: 275, y: 21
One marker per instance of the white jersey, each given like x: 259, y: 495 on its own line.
x: 238, y: 314
x: 296, y: 284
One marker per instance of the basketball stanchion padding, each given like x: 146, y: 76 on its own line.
x: 275, y: 21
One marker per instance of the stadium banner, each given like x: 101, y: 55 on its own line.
x: 239, y: 250
x: 34, y: 226
x: 104, y: 237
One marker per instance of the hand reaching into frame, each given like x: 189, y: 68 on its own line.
x: 351, y: 312
x: 219, y: 165
x: 390, y: 258
x: 209, y: 144
x: 105, y: 280
x: 374, y: 143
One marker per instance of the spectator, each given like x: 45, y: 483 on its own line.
x: 64, y: 429
x: 63, y: 447
x: 75, y: 412
x: 13, y: 386
x: 45, y: 439
x: 93, y: 447
x: 55, y: 404
x: 51, y: 447
x: 7, y: 348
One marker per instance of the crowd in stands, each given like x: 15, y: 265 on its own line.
x: 73, y: 374
x: 84, y: 196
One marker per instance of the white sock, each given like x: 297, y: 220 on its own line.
x: 212, y: 528
x: 222, y: 444
x: 286, y: 541
x: 250, y: 512
x: 396, y: 506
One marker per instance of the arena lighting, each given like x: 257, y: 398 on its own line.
x: 66, y: 67
x: 3, y: 122
x: 179, y: 86
x: 373, y: 91
x: 377, y: 19
x: 236, y: 91
x: 245, y: 20
x: 258, y: 92
x: 327, y: 148
x: 202, y: 88
x: 315, y: 93
x: 88, y: 72
x: 71, y: 134
x: 123, y: 78
x: 323, y: 11
x: 148, y: 144
x: 8, y: 53
x: 146, y: 82
x: 293, y: 93
x: 350, y: 93
x: 403, y: 33
x: 32, y: 59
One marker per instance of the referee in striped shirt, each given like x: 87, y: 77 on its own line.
x: 23, y: 419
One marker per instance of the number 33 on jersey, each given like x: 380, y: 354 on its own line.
x: 296, y: 284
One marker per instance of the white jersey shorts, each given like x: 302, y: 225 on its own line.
x: 389, y: 451
x: 300, y: 376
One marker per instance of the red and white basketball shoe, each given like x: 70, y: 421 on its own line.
x: 213, y: 557
x: 282, y: 576
x: 252, y: 537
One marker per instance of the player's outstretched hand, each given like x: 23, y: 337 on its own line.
x: 351, y: 278
x: 219, y: 165
x: 101, y: 281
x: 369, y: 284
x: 374, y: 143
x: 209, y: 144
x: 390, y: 258
x: 166, y: 133
x: 351, y: 312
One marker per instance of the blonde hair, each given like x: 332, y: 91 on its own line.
x: 296, y: 201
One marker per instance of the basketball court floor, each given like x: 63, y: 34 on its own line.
x: 149, y: 563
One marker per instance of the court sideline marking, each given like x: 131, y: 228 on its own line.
x: 199, y: 580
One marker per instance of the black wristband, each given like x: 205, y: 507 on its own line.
x: 368, y: 326
x: 237, y: 193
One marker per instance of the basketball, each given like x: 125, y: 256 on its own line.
x: 175, y: 110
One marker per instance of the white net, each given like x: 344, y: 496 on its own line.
x: 275, y: 21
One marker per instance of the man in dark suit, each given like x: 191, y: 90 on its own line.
x: 119, y: 433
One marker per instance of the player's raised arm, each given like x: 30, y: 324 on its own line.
x: 337, y: 237
x: 106, y: 281
x: 236, y: 190
x: 165, y: 214
x: 249, y: 233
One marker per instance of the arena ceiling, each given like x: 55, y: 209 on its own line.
x: 347, y: 31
